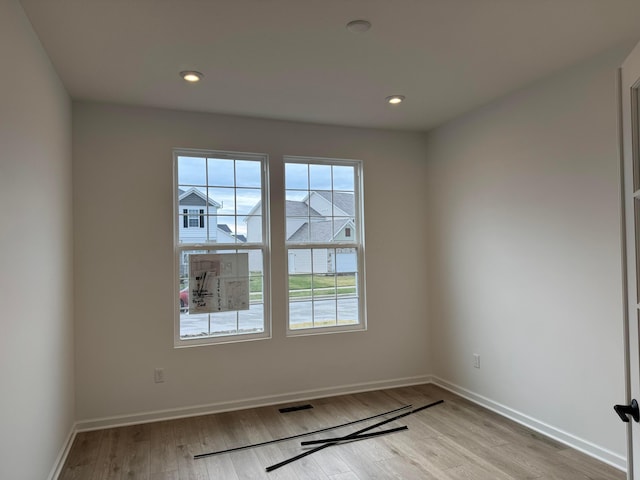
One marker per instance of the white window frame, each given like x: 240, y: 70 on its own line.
x: 356, y: 242
x: 263, y: 246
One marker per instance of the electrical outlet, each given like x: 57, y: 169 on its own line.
x: 158, y: 375
x: 476, y: 360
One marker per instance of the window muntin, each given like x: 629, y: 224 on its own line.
x: 324, y: 244
x: 224, y: 192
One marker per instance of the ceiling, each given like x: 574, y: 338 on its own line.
x: 296, y: 60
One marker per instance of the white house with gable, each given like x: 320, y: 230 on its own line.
x: 322, y: 217
x: 197, y: 216
x: 198, y: 221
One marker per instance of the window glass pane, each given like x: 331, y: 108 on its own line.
x: 251, y: 228
x: 320, y: 177
x: 300, y: 314
x: 221, y: 172
x: 321, y: 259
x: 347, y: 311
x: 320, y: 203
x: 296, y: 176
x: 224, y: 229
x: 224, y: 323
x: 300, y: 263
x: 324, y: 286
x: 194, y: 326
x: 343, y: 178
x: 346, y: 260
x: 192, y: 197
x: 248, y: 199
x: 294, y: 205
x: 346, y: 284
x: 344, y: 204
x: 194, y: 227
x: 256, y: 277
x: 222, y: 201
x: 192, y: 171
x: 248, y: 173
x: 324, y: 313
x: 186, y: 192
x: 343, y: 230
x: 250, y: 321
x: 321, y: 231
x: 297, y: 230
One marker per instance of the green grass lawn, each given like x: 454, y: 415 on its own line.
x: 321, y: 285
x: 304, y: 285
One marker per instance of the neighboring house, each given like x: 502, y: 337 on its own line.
x: 336, y: 204
x: 196, y: 210
x: 225, y: 235
x: 198, y: 216
x: 319, y: 218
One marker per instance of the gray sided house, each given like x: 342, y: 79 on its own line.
x: 197, y: 216
x: 198, y: 222
x: 322, y: 217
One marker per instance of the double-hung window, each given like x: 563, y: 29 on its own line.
x: 324, y: 245
x: 221, y: 247
x: 193, y: 218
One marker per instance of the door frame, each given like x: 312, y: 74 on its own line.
x: 628, y: 81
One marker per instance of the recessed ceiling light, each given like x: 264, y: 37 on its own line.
x: 191, y: 76
x: 395, y: 99
x: 359, y: 26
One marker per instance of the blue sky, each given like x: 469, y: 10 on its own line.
x: 236, y: 183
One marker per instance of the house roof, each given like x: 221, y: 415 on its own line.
x: 193, y: 196
x: 296, y: 208
x: 225, y: 228
x: 343, y: 200
x: 319, y: 232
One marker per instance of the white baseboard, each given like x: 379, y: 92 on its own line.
x: 64, y: 452
x: 589, y: 448
x: 158, y: 415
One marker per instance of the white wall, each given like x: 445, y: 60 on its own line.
x: 521, y: 226
x: 525, y: 254
x: 36, y: 340
x: 124, y: 264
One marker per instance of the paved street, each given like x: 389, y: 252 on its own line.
x: 251, y: 320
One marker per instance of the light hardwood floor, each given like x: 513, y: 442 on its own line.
x: 451, y: 441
